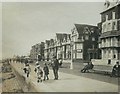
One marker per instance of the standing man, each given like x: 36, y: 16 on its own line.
x: 55, y: 66
x: 116, y: 70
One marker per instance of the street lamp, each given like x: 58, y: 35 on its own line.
x: 71, y: 64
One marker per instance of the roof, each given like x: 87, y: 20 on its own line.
x: 47, y: 41
x: 59, y: 36
x: 51, y: 41
x: 62, y: 36
x: 110, y: 8
x: 81, y: 27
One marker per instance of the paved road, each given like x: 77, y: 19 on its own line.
x: 67, y: 82
x: 79, y: 66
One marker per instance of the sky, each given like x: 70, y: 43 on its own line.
x: 27, y: 23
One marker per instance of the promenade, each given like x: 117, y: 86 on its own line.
x: 66, y: 83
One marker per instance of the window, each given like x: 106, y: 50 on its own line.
x: 104, y: 28
x: 93, y: 39
x: 109, y: 27
x: 106, y: 17
x: 92, y: 31
x: 104, y: 40
x: 105, y: 52
x: 114, y: 56
x: 109, y: 51
x: 86, y: 30
x: 114, y: 26
x: 86, y: 37
x: 113, y: 15
x: 79, y: 46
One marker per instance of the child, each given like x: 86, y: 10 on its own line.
x: 39, y: 74
x: 36, y: 67
x: 28, y: 70
x: 46, y: 72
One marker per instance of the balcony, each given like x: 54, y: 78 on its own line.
x: 105, y: 45
x: 110, y: 25
x: 110, y: 34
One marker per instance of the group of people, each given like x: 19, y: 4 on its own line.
x: 38, y: 70
x: 115, y: 69
x: 45, y: 71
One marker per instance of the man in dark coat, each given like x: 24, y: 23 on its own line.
x: 116, y: 70
x: 55, y: 66
x: 87, y: 67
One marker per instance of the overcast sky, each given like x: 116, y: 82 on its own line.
x: 25, y: 24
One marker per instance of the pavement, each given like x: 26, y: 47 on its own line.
x: 67, y: 82
x: 92, y: 75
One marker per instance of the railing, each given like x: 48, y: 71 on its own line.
x: 109, y: 25
x: 109, y: 45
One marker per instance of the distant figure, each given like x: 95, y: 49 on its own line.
x: 39, y: 74
x: 36, y: 66
x: 87, y: 67
x: 24, y: 69
x: 27, y: 69
x: 26, y: 61
x: 46, y: 72
x: 116, y: 70
x: 10, y: 60
x: 55, y: 66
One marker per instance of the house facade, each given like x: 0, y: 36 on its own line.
x: 37, y: 51
x: 63, y: 47
x: 84, y: 42
x: 66, y: 47
x: 46, y: 50
x: 110, y: 35
x: 59, y: 47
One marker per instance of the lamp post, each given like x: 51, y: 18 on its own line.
x: 71, y: 64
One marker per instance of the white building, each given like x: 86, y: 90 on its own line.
x: 110, y: 35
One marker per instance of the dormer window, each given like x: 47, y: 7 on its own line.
x: 86, y: 30
x: 106, y: 17
x: 86, y: 37
x: 64, y: 40
x: 92, y: 31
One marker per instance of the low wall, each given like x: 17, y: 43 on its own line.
x: 104, y: 62
x: 26, y: 85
